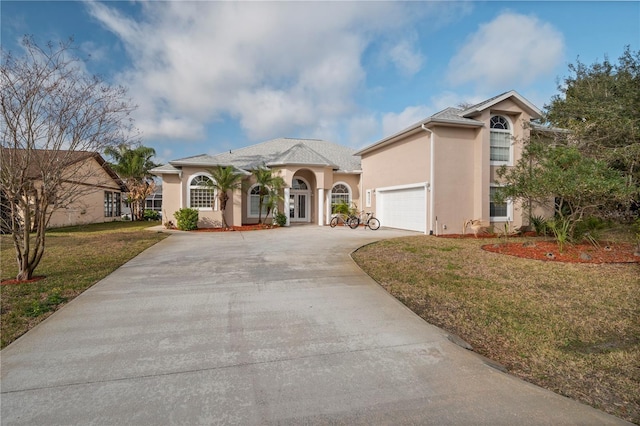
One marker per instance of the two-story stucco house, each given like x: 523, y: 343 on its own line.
x: 430, y: 177
x: 435, y: 175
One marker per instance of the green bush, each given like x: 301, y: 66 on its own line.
x: 540, y: 224
x: 588, y: 229
x: 187, y: 219
x: 151, y: 215
x: 280, y: 219
x: 341, y: 207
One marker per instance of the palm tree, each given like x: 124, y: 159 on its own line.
x: 133, y: 166
x: 270, y: 186
x: 225, y: 179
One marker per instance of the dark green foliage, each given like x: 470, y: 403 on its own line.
x: 600, y: 105
x: 341, y: 207
x: 562, y: 177
x: 281, y: 219
x: 151, y: 215
x: 187, y: 219
x: 540, y: 224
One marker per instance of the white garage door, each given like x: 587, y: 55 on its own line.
x: 402, y: 207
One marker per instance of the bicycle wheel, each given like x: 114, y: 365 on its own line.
x: 353, y: 222
x: 334, y: 222
x: 373, y: 223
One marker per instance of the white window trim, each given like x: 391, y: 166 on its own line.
x: 215, y: 194
x: 249, y: 214
x: 509, y: 216
x: 510, y: 131
x: 350, y: 192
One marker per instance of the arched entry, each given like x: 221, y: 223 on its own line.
x: 299, y: 201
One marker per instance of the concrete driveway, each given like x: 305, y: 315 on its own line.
x: 262, y: 327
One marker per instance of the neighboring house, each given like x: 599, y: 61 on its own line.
x: 94, y: 191
x: 154, y: 200
x: 430, y: 177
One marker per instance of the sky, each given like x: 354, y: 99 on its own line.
x: 210, y: 76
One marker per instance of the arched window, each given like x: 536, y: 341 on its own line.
x: 299, y: 184
x: 201, y: 193
x: 340, y: 193
x: 500, y: 140
x: 254, y: 202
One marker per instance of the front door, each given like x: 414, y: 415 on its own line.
x: 299, y: 197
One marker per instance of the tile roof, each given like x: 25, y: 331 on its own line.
x: 312, y: 152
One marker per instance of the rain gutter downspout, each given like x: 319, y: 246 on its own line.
x: 431, y: 177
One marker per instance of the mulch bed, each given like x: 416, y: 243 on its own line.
x: 10, y: 281
x: 237, y: 228
x: 575, y: 253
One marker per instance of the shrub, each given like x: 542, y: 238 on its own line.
x: 281, y: 219
x: 588, y: 229
x: 151, y: 215
x: 341, y: 207
x: 540, y: 224
x: 187, y: 219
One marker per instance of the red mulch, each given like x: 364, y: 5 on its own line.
x: 10, y: 281
x: 577, y: 253
x: 485, y: 235
x: 237, y: 228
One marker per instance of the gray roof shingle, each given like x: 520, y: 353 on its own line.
x: 281, y: 151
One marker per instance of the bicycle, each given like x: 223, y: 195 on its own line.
x: 346, y: 220
x: 368, y: 220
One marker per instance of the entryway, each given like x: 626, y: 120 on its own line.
x: 299, y: 201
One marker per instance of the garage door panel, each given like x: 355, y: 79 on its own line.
x: 403, y: 208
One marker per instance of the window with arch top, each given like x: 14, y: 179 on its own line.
x: 254, y: 202
x: 339, y: 193
x: 201, y: 193
x: 501, y: 150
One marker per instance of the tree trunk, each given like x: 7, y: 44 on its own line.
x: 223, y: 208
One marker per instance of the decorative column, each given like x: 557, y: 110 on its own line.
x: 320, y: 206
x: 286, y: 205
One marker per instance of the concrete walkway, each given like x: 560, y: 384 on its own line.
x: 262, y: 327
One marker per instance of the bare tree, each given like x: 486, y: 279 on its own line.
x: 53, y: 118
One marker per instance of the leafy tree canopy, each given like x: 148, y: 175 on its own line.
x: 564, y: 179
x: 600, y: 105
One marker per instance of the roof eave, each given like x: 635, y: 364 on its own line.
x: 430, y: 122
x: 533, y: 111
x: 280, y: 164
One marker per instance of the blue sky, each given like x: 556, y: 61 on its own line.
x: 212, y: 76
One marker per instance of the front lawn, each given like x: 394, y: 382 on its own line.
x: 75, y: 259
x: 571, y: 328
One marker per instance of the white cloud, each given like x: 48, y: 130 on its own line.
x: 276, y: 67
x: 406, y: 58
x: 394, y: 122
x: 511, y: 50
x: 363, y: 130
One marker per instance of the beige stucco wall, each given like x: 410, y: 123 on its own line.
x: 88, y: 182
x: 171, y: 197
x: 403, y: 162
x: 454, y: 176
x: 175, y: 194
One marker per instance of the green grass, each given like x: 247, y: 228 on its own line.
x: 571, y: 328
x: 75, y: 258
